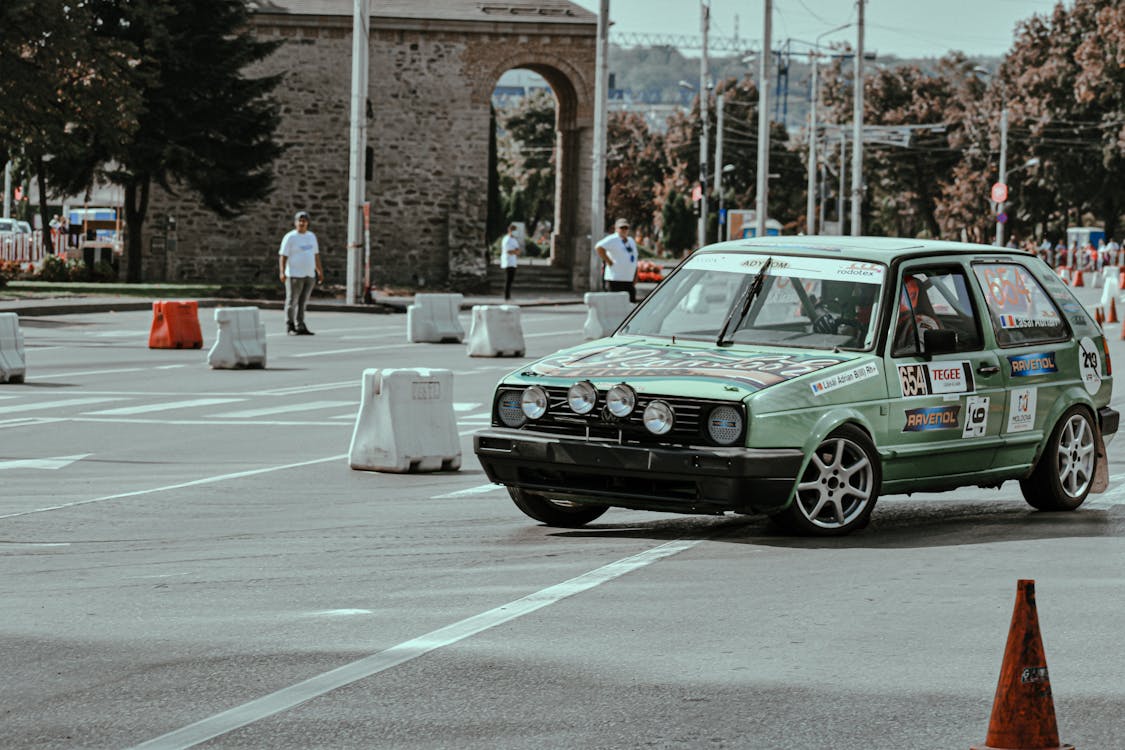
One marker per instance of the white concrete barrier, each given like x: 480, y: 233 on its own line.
x: 433, y: 319
x: 1110, y: 290
x: 241, y: 341
x: 605, y: 311
x: 13, y: 364
x: 496, y: 332
x: 405, y: 422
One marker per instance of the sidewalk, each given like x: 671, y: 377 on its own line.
x: 74, y: 299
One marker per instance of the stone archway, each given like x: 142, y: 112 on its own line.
x: 432, y: 69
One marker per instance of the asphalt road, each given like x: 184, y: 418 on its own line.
x: 187, y: 559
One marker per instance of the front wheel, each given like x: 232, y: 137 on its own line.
x: 561, y: 513
x: 838, y: 489
x: 1065, y: 472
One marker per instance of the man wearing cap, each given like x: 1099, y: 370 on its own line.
x: 299, y: 265
x: 619, y: 254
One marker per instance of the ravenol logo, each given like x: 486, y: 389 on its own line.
x: 1026, y: 365
x: 932, y: 418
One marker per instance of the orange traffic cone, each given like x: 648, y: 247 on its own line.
x: 1077, y: 278
x: 1111, y: 316
x: 1098, y: 318
x: 1023, y: 713
x: 1121, y: 281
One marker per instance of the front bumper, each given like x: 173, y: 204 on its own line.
x: 691, y: 479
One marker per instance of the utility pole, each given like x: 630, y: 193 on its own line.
x: 1003, y: 172
x: 704, y: 96
x: 857, y: 138
x: 764, y: 121
x: 361, y: 23
x: 597, y: 192
x: 719, y: 98
x: 810, y: 200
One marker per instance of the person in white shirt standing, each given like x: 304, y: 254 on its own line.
x: 619, y: 254
x: 509, y: 258
x: 299, y: 265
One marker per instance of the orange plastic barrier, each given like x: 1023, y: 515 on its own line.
x: 175, y: 325
x: 1023, y: 713
x: 649, y: 271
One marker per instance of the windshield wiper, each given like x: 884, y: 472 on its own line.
x: 738, y: 312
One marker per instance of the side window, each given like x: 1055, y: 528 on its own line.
x: 1020, y: 309
x: 935, y: 299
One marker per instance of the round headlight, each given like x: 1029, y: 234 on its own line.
x: 534, y: 402
x: 659, y: 417
x: 582, y: 397
x: 509, y: 409
x: 724, y: 425
x: 621, y: 400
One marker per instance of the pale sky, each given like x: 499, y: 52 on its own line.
x: 904, y: 28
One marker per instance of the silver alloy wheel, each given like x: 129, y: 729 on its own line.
x: 836, y: 485
x: 1076, y: 456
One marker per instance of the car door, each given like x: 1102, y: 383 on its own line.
x: 1036, y: 348
x: 946, y: 419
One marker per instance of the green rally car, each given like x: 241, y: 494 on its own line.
x: 804, y: 377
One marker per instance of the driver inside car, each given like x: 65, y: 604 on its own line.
x: 915, y: 313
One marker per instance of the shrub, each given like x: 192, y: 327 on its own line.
x: 54, y: 268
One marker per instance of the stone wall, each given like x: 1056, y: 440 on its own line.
x: 430, y: 88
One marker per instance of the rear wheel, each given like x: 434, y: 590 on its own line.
x: 838, y: 489
x: 1062, y: 478
x: 562, y: 513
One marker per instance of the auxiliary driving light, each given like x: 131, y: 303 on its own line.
x: 659, y: 417
x: 534, y: 402
x: 621, y: 400
x: 582, y: 397
x: 509, y: 407
x: 724, y: 425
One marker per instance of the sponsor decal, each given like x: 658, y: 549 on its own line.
x: 928, y: 418
x: 1015, y: 321
x: 976, y: 416
x: 1027, y: 365
x: 840, y: 379
x: 638, y: 361
x: 935, y: 378
x: 1090, y: 365
x: 1021, y: 409
x: 801, y: 268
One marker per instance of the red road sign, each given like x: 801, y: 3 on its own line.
x: 999, y: 192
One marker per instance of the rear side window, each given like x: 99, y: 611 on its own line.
x: 1020, y: 309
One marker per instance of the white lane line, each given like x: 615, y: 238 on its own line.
x: 49, y: 464
x: 465, y: 406
x: 180, y: 486
x: 203, y: 422
x: 314, y: 687
x: 125, y: 410
x: 47, y: 375
x: 58, y: 404
x: 284, y: 409
x: 481, y: 490
x: 349, y: 351
x: 309, y: 388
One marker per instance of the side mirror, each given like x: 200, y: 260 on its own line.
x: 942, y: 341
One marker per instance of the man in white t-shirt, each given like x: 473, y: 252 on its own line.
x: 509, y: 258
x: 619, y: 254
x: 299, y: 265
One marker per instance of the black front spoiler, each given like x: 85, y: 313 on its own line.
x: 688, y: 479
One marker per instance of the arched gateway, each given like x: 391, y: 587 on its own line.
x: 432, y: 68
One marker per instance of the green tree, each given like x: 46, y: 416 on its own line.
x: 527, y: 159
x: 204, y: 125
x: 65, y: 80
x: 635, y: 166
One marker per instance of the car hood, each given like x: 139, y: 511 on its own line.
x: 749, y: 369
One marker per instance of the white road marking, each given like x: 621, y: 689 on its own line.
x: 203, y: 422
x: 340, y: 613
x: 169, y: 367
x: 59, y: 404
x: 308, y: 388
x: 124, y: 410
x: 180, y: 486
x: 284, y: 409
x: 481, y: 490
x: 51, y: 464
x: 464, y: 406
x: 47, y: 375
x: 314, y: 687
x: 349, y: 351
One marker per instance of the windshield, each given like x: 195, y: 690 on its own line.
x: 812, y: 303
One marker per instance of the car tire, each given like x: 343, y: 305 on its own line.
x: 1064, y: 473
x: 560, y: 513
x: 838, y: 489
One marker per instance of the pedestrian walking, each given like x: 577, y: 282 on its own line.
x: 509, y: 258
x: 619, y: 254
x: 299, y: 265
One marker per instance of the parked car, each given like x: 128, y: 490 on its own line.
x: 805, y: 377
